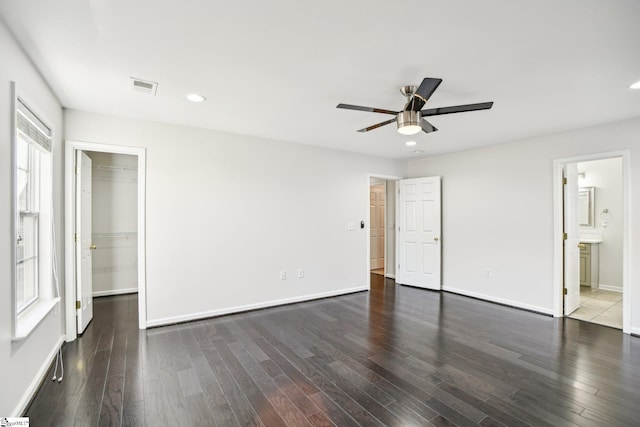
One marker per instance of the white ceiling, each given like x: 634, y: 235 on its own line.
x: 278, y: 68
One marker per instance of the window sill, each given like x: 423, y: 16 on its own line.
x: 27, y: 322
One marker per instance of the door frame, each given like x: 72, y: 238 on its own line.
x: 387, y: 178
x: 558, y: 270
x: 71, y: 147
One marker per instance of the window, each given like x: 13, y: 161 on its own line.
x: 33, y: 293
x: 27, y: 237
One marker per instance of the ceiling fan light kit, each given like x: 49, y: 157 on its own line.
x: 409, y: 122
x: 410, y: 119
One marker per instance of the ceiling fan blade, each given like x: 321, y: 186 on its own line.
x: 456, y: 109
x: 423, y: 93
x: 428, y: 127
x: 376, y: 126
x: 369, y: 109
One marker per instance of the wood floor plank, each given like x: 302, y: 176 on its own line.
x: 133, y: 414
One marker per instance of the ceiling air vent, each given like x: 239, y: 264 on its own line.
x: 144, y: 86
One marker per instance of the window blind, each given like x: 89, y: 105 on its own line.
x: 30, y: 126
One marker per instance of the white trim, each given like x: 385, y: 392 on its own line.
x: 70, y: 179
x: 510, y: 303
x: 14, y: 204
x: 368, y: 225
x: 28, y: 321
x: 613, y: 288
x: 635, y: 331
x: 248, y: 307
x: 627, y: 276
x: 390, y: 276
x: 114, y: 292
x: 39, y: 378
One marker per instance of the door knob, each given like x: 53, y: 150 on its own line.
x: 582, y: 246
x: 92, y: 247
x: 435, y: 239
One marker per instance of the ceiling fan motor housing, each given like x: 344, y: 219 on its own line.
x: 408, y: 122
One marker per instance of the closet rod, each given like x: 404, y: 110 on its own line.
x: 126, y: 234
x: 116, y: 168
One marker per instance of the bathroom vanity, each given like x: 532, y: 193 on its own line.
x: 589, y: 264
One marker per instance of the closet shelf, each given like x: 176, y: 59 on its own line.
x: 123, y: 234
x: 115, y: 168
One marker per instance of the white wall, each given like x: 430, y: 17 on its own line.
x: 498, y: 213
x: 606, y: 177
x: 114, y: 215
x: 226, y: 213
x: 22, y: 362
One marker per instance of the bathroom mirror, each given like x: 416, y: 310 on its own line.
x: 586, y: 207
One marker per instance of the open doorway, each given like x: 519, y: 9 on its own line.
x: 601, y: 232
x: 601, y: 204
x: 116, y: 244
x: 377, y: 225
x: 114, y: 214
x: 381, y: 237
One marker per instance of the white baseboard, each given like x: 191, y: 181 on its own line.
x: 248, y: 307
x: 390, y: 276
x: 33, y: 387
x: 613, y: 288
x: 114, y: 292
x: 516, y: 304
x: 635, y: 331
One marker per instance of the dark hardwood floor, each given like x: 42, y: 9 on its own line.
x: 393, y: 356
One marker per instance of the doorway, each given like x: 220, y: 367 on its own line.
x: 114, y: 223
x: 602, y: 259
x: 601, y: 232
x: 377, y: 225
x: 381, y: 220
x: 130, y: 234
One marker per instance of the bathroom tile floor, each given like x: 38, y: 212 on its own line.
x: 599, y: 306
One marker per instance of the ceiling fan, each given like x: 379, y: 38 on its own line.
x: 410, y: 119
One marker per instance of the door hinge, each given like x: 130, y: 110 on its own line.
x: 564, y: 181
x: 564, y: 236
x: 75, y: 237
x: 78, y: 305
x: 565, y: 291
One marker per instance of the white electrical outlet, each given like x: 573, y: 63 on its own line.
x: 283, y: 275
x: 487, y: 273
x: 300, y: 273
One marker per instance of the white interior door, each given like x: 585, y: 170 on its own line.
x: 571, y: 249
x: 376, y: 213
x: 84, y: 245
x: 419, y: 232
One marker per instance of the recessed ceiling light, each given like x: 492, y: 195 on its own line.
x: 194, y: 97
x: 636, y: 85
x: 418, y: 152
x: 410, y: 143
